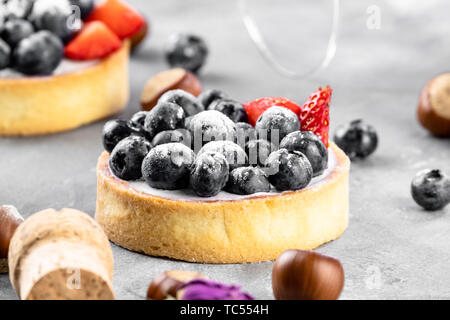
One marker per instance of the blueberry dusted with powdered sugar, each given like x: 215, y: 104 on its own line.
x: 245, y: 133
x: 126, y: 158
x: 358, y: 139
x: 55, y: 16
x: 258, y: 151
x: 276, y: 123
x: 38, y: 54
x: 234, y: 154
x: 168, y: 166
x: 180, y: 135
x: 288, y: 170
x: 211, y: 125
x: 209, y: 174
x: 186, y: 51
x: 15, y: 30
x: 16, y: 9
x: 311, y: 146
x: 190, y: 104
x: 164, y: 116
x: 231, y: 108
x: 431, y: 189
x: 209, y: 96
x: 248, y: 180
x: 113, y: 132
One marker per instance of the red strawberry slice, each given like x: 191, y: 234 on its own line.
x: 122, y: 19
x: 256, y: 108
x: 95, y: 41
x: 315, y: 114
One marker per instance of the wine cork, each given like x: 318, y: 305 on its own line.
x: 61, y: 255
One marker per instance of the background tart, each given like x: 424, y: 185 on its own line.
x: 42, y: 105
x: 251, y: 229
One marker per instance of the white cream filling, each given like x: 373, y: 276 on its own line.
x: 66, y: 66
x: 189, y: 195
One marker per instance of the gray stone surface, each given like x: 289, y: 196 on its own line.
x: 392, y: 249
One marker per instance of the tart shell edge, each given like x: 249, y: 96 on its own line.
x: 232, y: 231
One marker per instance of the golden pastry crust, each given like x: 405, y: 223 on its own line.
x: 233, y: 231
x: 43, y: 105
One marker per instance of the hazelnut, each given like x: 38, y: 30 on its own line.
x: 434, y: 106
x: 10, y: 219
x: 306, y: 275
x: 139, y: 36
x: 167, y: 284
x: 169, y: 80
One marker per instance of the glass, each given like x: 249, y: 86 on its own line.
x: 296, y: 37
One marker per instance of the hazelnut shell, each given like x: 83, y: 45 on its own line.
x: 434, y: 106
x: 10, y: 219
x: 167, y: 284
x: 306, y: 275
x: 169, y: 80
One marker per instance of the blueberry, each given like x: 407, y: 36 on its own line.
x: 209, y: 174
x: 232, y: 109
x: 5, y: 54
x: 138, y: 119
x: 186, y: 51
x: 167, y: 166
x: 209, y: 126
x: 54, y: 16
x: 113, y: 132
x: 39, y: 54
x: 357, y: 139
x: 234, y: 154
x: 276, y: 123
x: 137, y: 124
x: 180, y: 135
x: 244, y: 133
x: 15, y: 30
x: 86, y: 6
x: 431, y: 189
x: 187, y: 101
x: 288, y: 170
x: 258, y: 151
x: 209, y: 96
x: 164, y: 116
x: 311, y: 146
x: 248, y: 180
x: 126, y: 158
x: 17, y: 9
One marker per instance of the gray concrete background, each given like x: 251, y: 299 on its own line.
x: 392, y: 249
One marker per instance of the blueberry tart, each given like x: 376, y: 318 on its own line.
x: 202, y: 204
x: 57, y: 71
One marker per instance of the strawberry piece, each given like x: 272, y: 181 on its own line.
x: 122, y: 19
x: 256, y: 108
x: 315, y: 114
x: 94, y: 41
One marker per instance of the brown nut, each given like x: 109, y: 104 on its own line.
x: 10, y: 219
x: 434, y: 106
x: 306, y: 275
x: 166, y: 284
x: 139, y: 36
x: 169, y: 80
